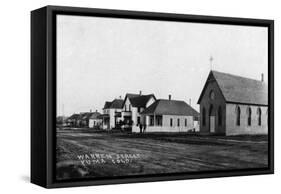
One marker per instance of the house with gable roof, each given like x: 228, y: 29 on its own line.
x: 81, y: 120
x: 167, y: 115
x: 133, y: 105
x: 111, y: 114
x: 72, y: 120
x: 95, y: 120
x: 233, y: 105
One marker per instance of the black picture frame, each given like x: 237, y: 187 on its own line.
x: 43, y: 93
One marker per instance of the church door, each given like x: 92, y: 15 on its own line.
x: 212, y: 119
x: 212, y: 124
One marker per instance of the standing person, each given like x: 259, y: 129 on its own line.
x: 144, y: 127
x: 140, y: 127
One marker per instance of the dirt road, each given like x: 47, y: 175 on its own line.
x: 88, y: 154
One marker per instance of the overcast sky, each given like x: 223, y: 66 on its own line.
x: 99, y: 59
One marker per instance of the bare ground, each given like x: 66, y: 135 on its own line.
x: 157, y: 153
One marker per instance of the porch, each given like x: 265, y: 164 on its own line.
x: 105, y: 121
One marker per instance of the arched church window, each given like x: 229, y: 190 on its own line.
x: 249, y: 116
x: 219, y: 116
x: 259, y: 116
x: 204, y: 116
x: 212, y: 95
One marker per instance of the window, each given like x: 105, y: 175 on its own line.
x: 159, y: 120
x: 138, y: 120
x: 151, y: 120
x: 249, y: 116
x: 259, y: 116
x: 139, y: 109
x: 171, y: 122
x: 178, y: 122
x: 211, y: 110
x: 185, y: 122
x: 204, y: 117
x: 129, y: 107
x: 238, y: 113
x: 212, y: 95
x: 219, y: 116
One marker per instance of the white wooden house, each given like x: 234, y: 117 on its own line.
x: 95, y: 120
x: 133, y: 105
x: 169, y: 116
x: 111, y: 114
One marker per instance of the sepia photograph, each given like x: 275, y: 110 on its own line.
x: 141, y: 97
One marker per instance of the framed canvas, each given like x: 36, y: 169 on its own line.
x: 128, y: 96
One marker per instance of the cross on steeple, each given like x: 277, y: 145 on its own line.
x: 211, y: 62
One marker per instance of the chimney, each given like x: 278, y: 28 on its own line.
x: 120, y: 97
x: 190, y: 101
x: 140, y: 92
x: 96, y: 110
x: 262, y: 77
x: 170, y: 96
x: 90, y: 110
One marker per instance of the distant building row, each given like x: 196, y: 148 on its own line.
x: 139, y: 112
x: 85, y: 119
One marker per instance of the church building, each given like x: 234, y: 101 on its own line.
x: 233, y: 105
